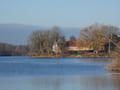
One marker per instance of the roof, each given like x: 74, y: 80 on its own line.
x: 75, y: 43
x: 71, y: 43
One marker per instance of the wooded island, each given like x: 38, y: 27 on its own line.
x: 96, y: 40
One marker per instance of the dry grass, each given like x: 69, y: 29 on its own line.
x: 115, y: 64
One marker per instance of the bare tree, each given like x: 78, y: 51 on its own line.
x: 13, y: 50
x: 42, y: 41
x: 115, y: 64
x: 97, y: 35
x: 73, y: 38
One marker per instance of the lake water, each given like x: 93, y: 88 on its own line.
x: 25, y: 73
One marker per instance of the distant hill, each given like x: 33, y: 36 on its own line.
x: 18, y: 33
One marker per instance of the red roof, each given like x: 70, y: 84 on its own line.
x: 75, y: 43
x: 71, y: 43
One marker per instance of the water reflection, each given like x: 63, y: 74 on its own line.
x: 61, y: 83
x: 116, y: 82
x: 22, y: 73
x: 47, y: 83
x: 77, y: 83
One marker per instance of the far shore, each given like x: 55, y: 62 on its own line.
x: 45, y: 56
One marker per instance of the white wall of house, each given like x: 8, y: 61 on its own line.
x: 75, y: 48
x: 56, y: 48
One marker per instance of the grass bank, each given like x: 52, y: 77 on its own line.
x: 53, y: 56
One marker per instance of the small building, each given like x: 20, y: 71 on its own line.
x: 72, y: 46
x: 77, y: 46
x: 56, y: 48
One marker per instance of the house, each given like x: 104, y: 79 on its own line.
x: 77, y: 46
x: 72, y: 46
x: 56, y: 48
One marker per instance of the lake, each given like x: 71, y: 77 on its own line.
x: 25, y: 73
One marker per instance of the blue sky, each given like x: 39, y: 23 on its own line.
x: 62, y: 13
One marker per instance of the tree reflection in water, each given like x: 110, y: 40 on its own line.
x: 77, y: 83
x: 116, y: 82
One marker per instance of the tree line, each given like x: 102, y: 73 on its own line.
x: 99, y: 37
x: 42, y: 41
x: 13, y: 50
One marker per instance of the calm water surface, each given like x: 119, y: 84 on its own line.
x: 25, y: 73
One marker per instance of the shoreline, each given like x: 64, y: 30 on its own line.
x: 71, y: 57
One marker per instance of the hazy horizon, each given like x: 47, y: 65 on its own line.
x: 18, y: 34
